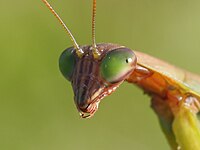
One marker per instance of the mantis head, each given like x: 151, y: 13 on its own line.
x: 94, y: 78
x: 94, y: 71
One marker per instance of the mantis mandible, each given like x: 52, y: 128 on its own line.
x: 95, y: 71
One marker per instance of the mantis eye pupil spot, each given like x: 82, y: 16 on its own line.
x: 128, y: 60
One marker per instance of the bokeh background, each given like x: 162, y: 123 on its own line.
x: 37, y: 111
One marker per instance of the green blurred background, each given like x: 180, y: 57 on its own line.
x: 37, y: 111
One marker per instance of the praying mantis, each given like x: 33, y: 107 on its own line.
x: 95, y: 71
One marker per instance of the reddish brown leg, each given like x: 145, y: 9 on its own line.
x: 165, y: 116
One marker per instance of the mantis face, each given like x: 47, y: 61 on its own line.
x: 94, y: 78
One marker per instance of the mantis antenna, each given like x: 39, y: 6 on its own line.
x: 95, y: 51
x: 79, y: 51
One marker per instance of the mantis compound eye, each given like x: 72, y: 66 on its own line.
x: 67, y: 62
x: 117, y: 65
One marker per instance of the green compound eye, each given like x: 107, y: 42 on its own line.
x: 67, y: 62
x: 117, y: 64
